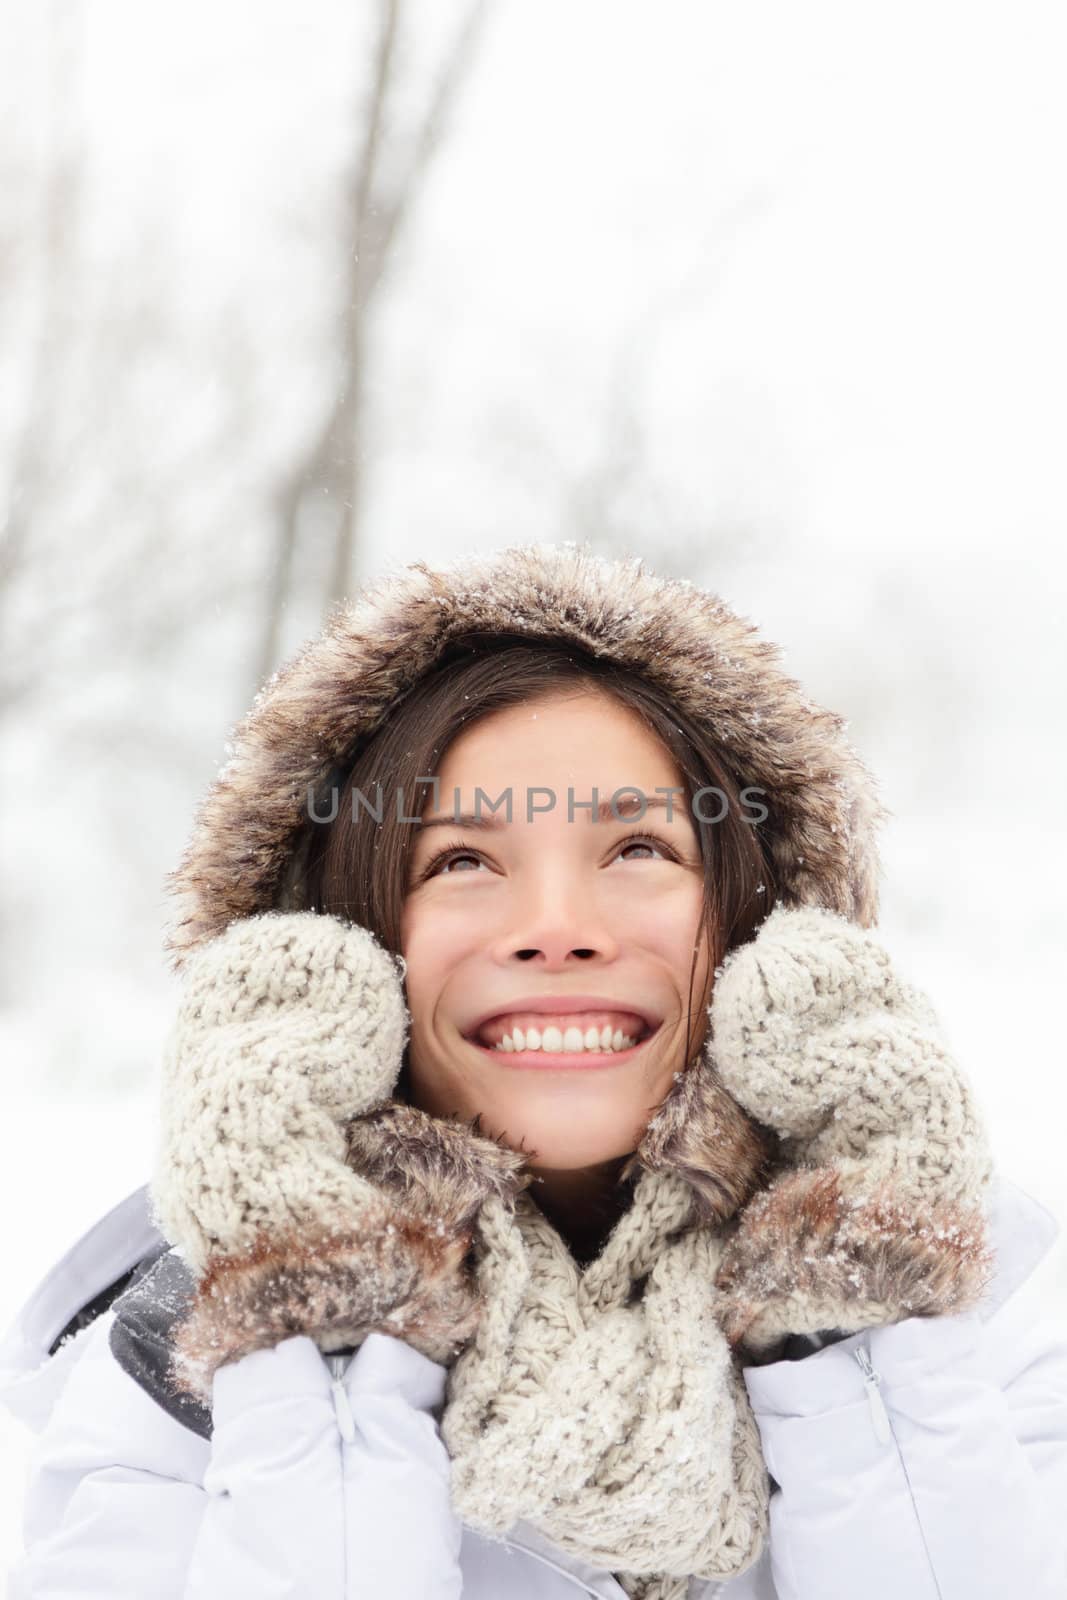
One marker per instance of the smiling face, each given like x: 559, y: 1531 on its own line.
x: 546, y: 908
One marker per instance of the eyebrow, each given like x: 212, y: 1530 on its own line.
x: 605, y: 813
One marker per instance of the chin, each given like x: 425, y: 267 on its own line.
x: 545, y: 1143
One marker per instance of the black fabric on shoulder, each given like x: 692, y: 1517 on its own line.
x: 799, y: 1345
x: 796, y: 1346
x: 101, y: 1302
x: 140, y: 1337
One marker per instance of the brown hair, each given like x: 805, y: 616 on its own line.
x: 358, y: 869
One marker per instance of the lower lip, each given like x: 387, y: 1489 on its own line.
x: 558, y: 1060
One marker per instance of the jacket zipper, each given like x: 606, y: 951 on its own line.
x: 879, y: 1414
x: 338, y: 1363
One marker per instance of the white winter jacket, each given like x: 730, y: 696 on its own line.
x: 926, y: 1460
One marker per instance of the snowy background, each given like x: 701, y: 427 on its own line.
x: 771, y: 294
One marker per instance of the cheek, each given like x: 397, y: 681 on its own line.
x: 445, y: 931
x: 671, y: 926
x: 417, y: 946
x: 433, y: 947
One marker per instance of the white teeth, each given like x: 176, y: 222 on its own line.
x: 571, y: 1042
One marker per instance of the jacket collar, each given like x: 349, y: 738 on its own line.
x: 1024, y: 1231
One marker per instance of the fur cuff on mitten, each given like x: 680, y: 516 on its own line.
x: 703, y: 1135
x: 396, y: 1264
x: 275, y: 1169
x: 817, y: 1251
x: 876, y: 1210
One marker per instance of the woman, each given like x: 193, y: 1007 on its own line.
x: 558, y: 1191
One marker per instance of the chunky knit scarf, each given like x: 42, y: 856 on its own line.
x: 603, y: 1405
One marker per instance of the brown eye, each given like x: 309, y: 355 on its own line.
x: 647, y: 841
x: 445, y: 856
x: 460, y: 855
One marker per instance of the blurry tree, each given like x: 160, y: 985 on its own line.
x: 318, y: 504
x: 137, y: 497
x: 47, y: 363
x: 97, y: 587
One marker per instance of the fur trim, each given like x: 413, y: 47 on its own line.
x: 702, y: 1133
x: 398, y: 1267
x: 445, y: 1169
x: 397, y: 1274
x: 816, y: 1251
x: 316, y: 711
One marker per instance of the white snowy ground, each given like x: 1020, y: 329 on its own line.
x: 833, y: 247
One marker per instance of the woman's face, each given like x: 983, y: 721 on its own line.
x: 543, y: 907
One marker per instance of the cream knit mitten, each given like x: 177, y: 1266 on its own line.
x: 302, y: 1198
x: 876, y: 1211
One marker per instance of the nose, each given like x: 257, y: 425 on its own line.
x: 555, y: 920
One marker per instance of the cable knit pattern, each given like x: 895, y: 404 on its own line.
x: 879, y: 1216
x: 288, y: 1025
x: 605, y: 1411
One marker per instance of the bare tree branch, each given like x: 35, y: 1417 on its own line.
x: 431, y: 134
x: 319, y: 503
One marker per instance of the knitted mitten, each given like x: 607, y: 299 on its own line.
x: 278, y: 1173
x: 878, y: 1214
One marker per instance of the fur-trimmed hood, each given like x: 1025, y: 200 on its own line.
x: 310, y: 721
x: 318, y: 710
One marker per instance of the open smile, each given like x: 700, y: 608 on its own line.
x: 562, y: 1060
